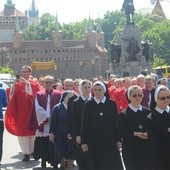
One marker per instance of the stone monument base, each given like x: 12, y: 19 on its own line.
x: 128, y: 66
x: 131, y: 68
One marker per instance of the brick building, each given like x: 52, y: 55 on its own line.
x: 83, y: 58
x: 8, y: 18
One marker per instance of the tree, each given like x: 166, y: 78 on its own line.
x: 6, y: 70
x: 42, y: 30
x: 158, y: 61
x: 144, y: 23
x: 32, y: 32
x: 73, y: 30
x: 112, y: 21
x: 47, y: 25
x: 160, y: 41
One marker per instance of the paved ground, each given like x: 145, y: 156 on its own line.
x: 12, y: 156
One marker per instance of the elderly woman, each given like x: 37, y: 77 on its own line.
x: 98, y: 131
x: 159, y: 128
x: 131, y: 127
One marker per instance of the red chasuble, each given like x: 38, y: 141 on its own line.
x: 19, y: 110
x: 121, y: 99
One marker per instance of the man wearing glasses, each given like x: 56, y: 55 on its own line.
x: 45, y: 100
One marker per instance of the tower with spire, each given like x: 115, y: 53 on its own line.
x: 17, y: 35
x: 99, y: 34
x: 93, y: 37
x: 33, y: 14
x: 89, y: 33
x: 158, y: 10
x: 8, y: 17
x: 57, y: 34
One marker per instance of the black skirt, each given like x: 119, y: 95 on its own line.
x: 43, y: 149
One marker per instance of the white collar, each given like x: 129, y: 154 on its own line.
x: 134, y: 108
x: 84, y: 98
x: 98, y: 101
x: 162, y: 110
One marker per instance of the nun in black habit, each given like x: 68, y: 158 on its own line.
x: 77, y: 109
x: 63, y: 149
x: 131, y: 127
x: 98, y: 131
x: 158, y: 128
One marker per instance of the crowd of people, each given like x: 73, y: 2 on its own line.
x: 99, y: 124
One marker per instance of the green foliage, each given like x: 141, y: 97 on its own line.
x: 158, y: 35
x: 145, y: 23
x: 158, y: 61
x: 112, y: 21
x: 32, y: 32
x: 73, y: 30
x: 6, y: 70
x: 153, y: 28
x: 42, y: 30
x: 47, y: 25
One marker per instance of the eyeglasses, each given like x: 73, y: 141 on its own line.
x: 164, y: 98
x: 137, y: 95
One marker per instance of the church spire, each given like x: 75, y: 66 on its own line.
x: 17, y: 35
x: 57, y: 27
x: 33, y: 5
x: 90, y: 24
x: 33, y: 12
x: 86, y: 26
x: 98, y: 27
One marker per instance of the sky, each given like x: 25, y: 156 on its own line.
x: 76, y: 10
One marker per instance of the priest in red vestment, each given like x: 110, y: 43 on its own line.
x: 19, y: 109
x: 120, y: 94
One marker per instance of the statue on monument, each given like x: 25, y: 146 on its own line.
x: 128, y: 8
x: 145, y: 49
x: 9, y: 4
x: 133, y: 49
x: 115, y: 51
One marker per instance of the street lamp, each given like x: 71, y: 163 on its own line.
x: 3, y: 53
x: 93, y: 63
x: 81, y: 67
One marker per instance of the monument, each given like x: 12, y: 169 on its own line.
x: 131, y: 60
